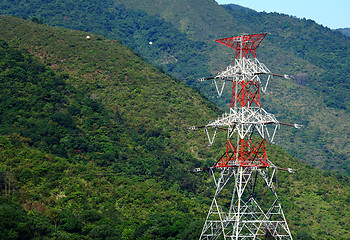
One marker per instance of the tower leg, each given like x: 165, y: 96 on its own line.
x: 245, y: 217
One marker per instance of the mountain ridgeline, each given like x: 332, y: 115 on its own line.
x: 345, y: 31
x: 182, y: 33
x: 95, y: 145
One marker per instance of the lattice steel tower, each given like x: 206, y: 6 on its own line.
x: 236, y: 211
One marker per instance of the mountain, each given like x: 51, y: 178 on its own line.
x: 345, y: 31
x: 182, y: 34
x: 94, y: 145
x: 94, y: 141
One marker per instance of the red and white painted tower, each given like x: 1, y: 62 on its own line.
x: 244, y: 166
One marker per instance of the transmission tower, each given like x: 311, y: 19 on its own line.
x: 237, y: 211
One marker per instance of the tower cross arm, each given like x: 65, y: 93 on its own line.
x: 295, y: 125
x: 258, y: 73
x: 192, y: 128
x: 274, y: 74
x: 290, y: 170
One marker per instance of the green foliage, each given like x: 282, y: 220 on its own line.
x: 345, y: 31
x: 14, y: 222
x: 39, y: 106
x: 121, y: 167
x: 133, y: 28
x: 81, y: 192
x: 36, y: 20
x: 182, y: 34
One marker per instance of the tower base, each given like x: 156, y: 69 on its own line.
x: 246, y: 216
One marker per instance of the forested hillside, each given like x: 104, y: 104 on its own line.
x: 182, y: 34
x: 345, y: 31
x: 90, y: 149
x: 94, y: 145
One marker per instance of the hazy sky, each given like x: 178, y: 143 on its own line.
x: 330, y: 13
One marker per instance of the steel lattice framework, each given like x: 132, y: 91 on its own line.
x: 244, y: 166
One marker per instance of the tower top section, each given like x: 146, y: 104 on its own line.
x: 243, y: 44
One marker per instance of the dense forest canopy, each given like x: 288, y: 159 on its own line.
x: 345, y: 31
x: 94, y: 145
x: 182, y: 35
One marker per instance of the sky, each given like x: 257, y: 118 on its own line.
x: 330, y: 13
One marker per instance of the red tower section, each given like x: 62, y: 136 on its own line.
x: 244, y: 44
x: 246, y: 94
x: 245, y: 100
